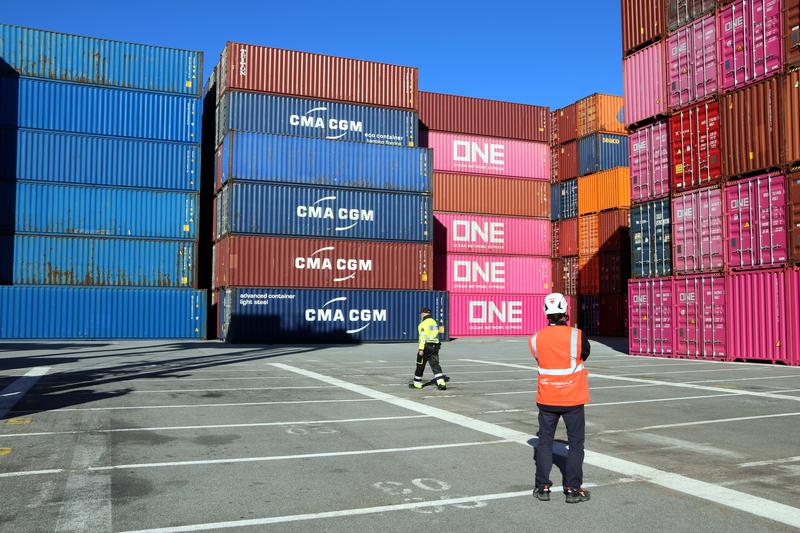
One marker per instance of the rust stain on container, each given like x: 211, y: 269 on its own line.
x: 464, y: 193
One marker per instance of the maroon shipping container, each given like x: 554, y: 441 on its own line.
x: 554, y: 239
x: 651, y: 317
x: 695, y: 146
x: 794, y: 216
x: 700, y: 317
x: 568, y: 161
x: 589, y: 274
x: 554, y: 164
x: 567, y: 237
x: 614, y: 230
x: 750, y: 129
x: 252, y: 261
x: 642, y: 22
x: 489, y: 118
x: 790, y: 100
x: 273, y: 70
x: 467, y: 193
x: 565, y: 275
x: 698, y: 231
x: 567, y: 119
x: 792, y: 32
x: 615, y: 271
x: 613, y: 315
x: 552, y: 123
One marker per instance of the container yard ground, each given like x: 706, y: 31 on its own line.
x: 147, y: 435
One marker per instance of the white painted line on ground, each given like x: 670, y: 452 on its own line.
x: 662, y: 442
x: 771, y: 462
x: 693, y: 371
x: 506, y: 411
x: 32, y: 473
x: 747, y: 503
x: 659, y: 400
x: 697, y: 423
x: 172, y: 391
x: 744, y: 379
x: 192, y: 406
x: 12, y: 394
x: 531, y: 380
x: 784, y: 390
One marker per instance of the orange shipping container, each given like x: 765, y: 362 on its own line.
x: 464, y: 193
x: 589, y: 274
x: 600, y: 113
x: 610, y: 189
x: 588, y: 235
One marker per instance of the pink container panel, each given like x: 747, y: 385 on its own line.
x: 692, y: 62
x: 476, y: 234
x: 698, y: 231
x: 491, y: 156
x: 490, y: 315
x: 644, y: 84
x: 793, y: 315
x: 649, y: 161
x: 757, y: 315
x: 700, y: 317
x: 757, y: 224
x: 488, y: 274
x: 651, y: 323
x: 750, y: 42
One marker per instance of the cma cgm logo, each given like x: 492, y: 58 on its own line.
x: 312, y: 119
x: 495, y: 312
x: 472, y: 231
x: 243, y: 61
x: 473, y: 271
x: 472, y: 152
x: 341, y: 265
x: 331, y: 312
x: 349, y: 217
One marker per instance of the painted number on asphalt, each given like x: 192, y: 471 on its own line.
x: 311, y: 430
x: 425, y: 484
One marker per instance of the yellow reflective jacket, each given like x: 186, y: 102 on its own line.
x: 428, y: 332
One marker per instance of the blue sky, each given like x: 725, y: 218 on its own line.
x: 536, y: 51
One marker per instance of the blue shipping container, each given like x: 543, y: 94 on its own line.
x: 320, y: 316
x: 569, y: 199
x: 59, y: 56
x: 28, y: 207
x: 278, y: 158
x: 555, y: 201
x: 602, y: 151
x: 51, y: 260
x: 651, y: 239
x: 91, y: 313
x: 255, y: 208
x: 283, y: 115
x: 73, y: 158
x: 75, y: 108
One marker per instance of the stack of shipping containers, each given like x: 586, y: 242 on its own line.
x: 99, y: 175
x: 323, y: 216
x: 712, y: 92
x: 491, y: 163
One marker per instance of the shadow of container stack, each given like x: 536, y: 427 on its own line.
x: 100, y: 168
x: 322, y: 209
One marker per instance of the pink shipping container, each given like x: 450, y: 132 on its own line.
x: 698, y: 231
x: 488, y: 274
x: 649, y: 160
x: 651, y: 317
x: 793, y: 315
x: 757, y: 224
x: 489, y: 315
x: 489, y: 156
x: 700, y: 317
x: 692, y: 62
x: 644, y: 84
x: 476, y: 234
x: 750, y: 42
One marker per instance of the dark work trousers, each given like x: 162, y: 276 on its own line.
x: 576, y: 429
x: 429, y: 355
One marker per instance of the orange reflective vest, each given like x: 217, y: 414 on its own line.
x: 563, y: 380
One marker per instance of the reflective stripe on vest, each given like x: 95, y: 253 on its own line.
x: 535, y: 350
x: 574, y: 366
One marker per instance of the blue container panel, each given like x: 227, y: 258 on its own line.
x: 27, y: 207
x: 555, y: 202
x: 602, y: 151
x: 52, y: 55
x: 276, y: 158
x: 101, y: 313
x: 651, y: 239
x: 72, y: 158
x: 75, y: 108
x: 315, y: 315
x: 254, y: 208
x: 283, y: 115
x: 49, y: 260
x: 569, y: 199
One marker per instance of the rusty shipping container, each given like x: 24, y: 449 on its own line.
x: 463, y: 193
x: 477, y: 116
x: 794, y: 216
x: 695, y: 146
x: 682, y: 12
x: 790, y: 100
x: 613, y: 228
x: 567, y: 237
x: 610, y: 189
x: 791, y: 32
x: 567, y: 119
x: 600, y: 113
x: 565, y: 275
x: 750, y: 129
x: 567, y: 161
x: 642, y: 22
x: 273, y: 70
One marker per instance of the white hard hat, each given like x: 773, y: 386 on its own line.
x: 555, y: 304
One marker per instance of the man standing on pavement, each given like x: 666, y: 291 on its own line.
x: 428, y: 351
x: 562, y: 391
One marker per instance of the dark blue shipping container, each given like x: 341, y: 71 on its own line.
x: 52, y: 260
x: 283, y: 115
x: 589, y: 315
x: 320, y: 316
x: 28, y: 207
x: 255, y: 208
x: 602, y: 151
x: 75, y: 108
x: 90, y: 313
x: 569, y: 199
x: 555, y: 201
x: 278, y: 158
x: 651, y: 239
x: 59, y: 56
x: 108, y: 161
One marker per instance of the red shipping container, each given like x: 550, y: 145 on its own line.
x: 698, y: 231
x: 554, y: 240
x: 651, y: 317
x: 700, y: 317
x: 263, y: 69
x: 466, y: 193
x: 553, y: 124
x: 643, y: 21
x: 554, y: 164
x: 613, y: 315
x: 649, y: 160
x: 254, y: 261
x: 568, y: 161
x: 588, y: 235
x: 477, y: 116
x: 794, y: 216
x: 614, y: 230
x: 615, y: 271
x: 589, y: 274
x: 567, y: 237
x: 565, y: 275
x: 695, y: 146
x: 567, y: 119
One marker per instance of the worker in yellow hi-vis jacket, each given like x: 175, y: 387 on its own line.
x: 428, y: 351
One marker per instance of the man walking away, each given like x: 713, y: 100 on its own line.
x: 428, y: 351
x: 562, y: 391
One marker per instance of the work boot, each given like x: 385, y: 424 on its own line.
x: 441, y: 384
x: 577, y: 495
x: 415, y: 385
x: 542, y: 493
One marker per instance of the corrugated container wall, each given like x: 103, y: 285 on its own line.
x: 651, y: 247
x: 642, y: 22
x: 700, y: 317
x: 588, y: 235
x: 695, y: 146
x: 567, y: 237
x: 555, y: 205
x: 600, y: 113
x: 682, y: 12
x: 589, y: 315
x: 602, y: 152
x: 793, y: 315
x: 698, y: 225
x: 567, y: 155
x: 491, y: 195
x: 614, y: 230
x: 567, y: 120
x: 569, y: 198
x: 794, y: 217
x: 565, y: 275
x: 644, y: 83
x: 610, y: 189
x: 493, y: 274
x: 792, y: 32
x: 613, y: 315
x: 757, y: 319
x: 615, y: 271
x: 475, y: 234
x: 649, y: 161
x: 589, y: 274
x: 651, y: 317
x: 73, y: 58
x: 496, y: 314
x: 692, y: 63
x: 790, y: 100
